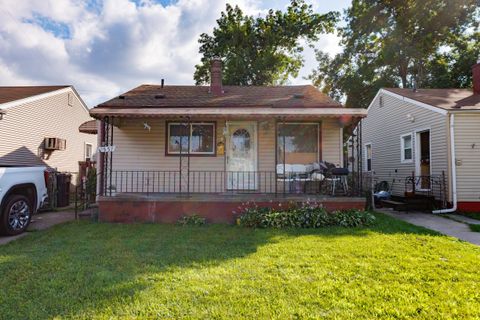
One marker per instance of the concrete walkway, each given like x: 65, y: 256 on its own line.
x: 42, y: 221
x: 437, y: 223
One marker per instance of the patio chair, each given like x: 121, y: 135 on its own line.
x: 295, y: 175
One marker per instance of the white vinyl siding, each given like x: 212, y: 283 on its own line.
x: 467, y: 152
x: 24, y: 128
x: 384, y: 126
x: 332, y: 144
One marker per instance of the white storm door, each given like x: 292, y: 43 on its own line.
x: 241, y: 152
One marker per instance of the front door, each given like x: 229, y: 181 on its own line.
x: 423, y: 160
x: 241, y: 152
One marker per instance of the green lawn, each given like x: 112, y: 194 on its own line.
x: 474, y: 227
x: 473, y: 215
x: 92, y: 270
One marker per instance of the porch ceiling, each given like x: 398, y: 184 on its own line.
x: 247, y: 112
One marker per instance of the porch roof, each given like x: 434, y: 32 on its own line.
x: 243, y: 112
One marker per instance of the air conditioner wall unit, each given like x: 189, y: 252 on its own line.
x: 54, y: 144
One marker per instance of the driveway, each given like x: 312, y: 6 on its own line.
x: 42, y: 221
x: 438, y: 223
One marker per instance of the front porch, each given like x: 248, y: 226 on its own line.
x: 157, y: 168
x: 216, y: 208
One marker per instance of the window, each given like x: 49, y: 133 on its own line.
x: 406, y: 142
x: 300, y: 141
x: 54, y: 144
x: 368, y: 156
x: 200, y: 135
x: 88, y: 151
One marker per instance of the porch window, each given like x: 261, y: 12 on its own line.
x: 406, y: 145
x: 301, y: 143
x: 201, y: 136
x: 368, y: 157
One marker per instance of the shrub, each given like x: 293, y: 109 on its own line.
x: 305, y: 215
x: 192, y: 220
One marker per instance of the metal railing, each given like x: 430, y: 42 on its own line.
x: 432, y: 189
x: 220, y: 182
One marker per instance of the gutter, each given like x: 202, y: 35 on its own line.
x: 453, y: 168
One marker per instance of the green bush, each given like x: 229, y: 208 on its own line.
x: 306, y: 215
x: 192, y: 220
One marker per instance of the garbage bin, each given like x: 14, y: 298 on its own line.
x: 63, y: 189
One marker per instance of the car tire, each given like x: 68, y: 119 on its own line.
x: 16, y: 215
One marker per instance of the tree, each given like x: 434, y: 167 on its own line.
x: 391, y: 43
x: 263, y: 50
x: 452, y: 68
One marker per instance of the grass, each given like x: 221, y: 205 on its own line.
x: 473, y: 215
x: 392, y: 270
x: 474, y: 227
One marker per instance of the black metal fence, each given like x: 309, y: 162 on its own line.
x: 433, y: 188
x: 262, y: 182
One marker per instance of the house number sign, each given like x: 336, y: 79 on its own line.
x: 106, y: 149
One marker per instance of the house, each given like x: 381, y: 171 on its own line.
x: 40, y: 126
x: 167, y: 151
x: 415, y: 139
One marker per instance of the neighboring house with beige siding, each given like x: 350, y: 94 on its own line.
x: 173, y: 150
x: 40, y: 126
x: 426, y: 133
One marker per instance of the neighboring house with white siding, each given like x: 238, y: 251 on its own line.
x: 426, y: 132
x: 174, y: 150
x: 40, y: 126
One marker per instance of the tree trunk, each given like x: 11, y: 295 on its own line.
x: 403, y: 71
x: 404, y: 80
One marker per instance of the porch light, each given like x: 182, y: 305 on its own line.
x: 265, y: 125
x: 2, y: 113
x: 410, y: 118
x: 147, y: 127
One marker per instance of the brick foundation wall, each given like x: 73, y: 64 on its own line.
x: 157, y: 211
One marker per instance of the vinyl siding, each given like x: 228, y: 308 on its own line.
x: 331, y: 142
x: 138, y: 149
x: 25, y: 126
x: 383, y: 128
x: 467, y: 153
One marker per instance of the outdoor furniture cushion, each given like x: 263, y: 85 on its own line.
x: 317, y: 176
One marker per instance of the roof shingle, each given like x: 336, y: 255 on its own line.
x: 448, y: 99
x: 155, y: 96
x: 9, y: 94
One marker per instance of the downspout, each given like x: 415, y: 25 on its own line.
x: 453, y: 168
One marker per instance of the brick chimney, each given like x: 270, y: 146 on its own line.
x: 476, y: 77
x: 216, y: 77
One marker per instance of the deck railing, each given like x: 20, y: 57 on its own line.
x: 432, y: 188
x: 260, y: 182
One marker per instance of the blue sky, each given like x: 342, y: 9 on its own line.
x: 105, y: 47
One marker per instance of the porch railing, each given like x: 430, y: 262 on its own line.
x: 255, y: 182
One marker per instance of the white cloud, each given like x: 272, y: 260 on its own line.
x: 106, y: 50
